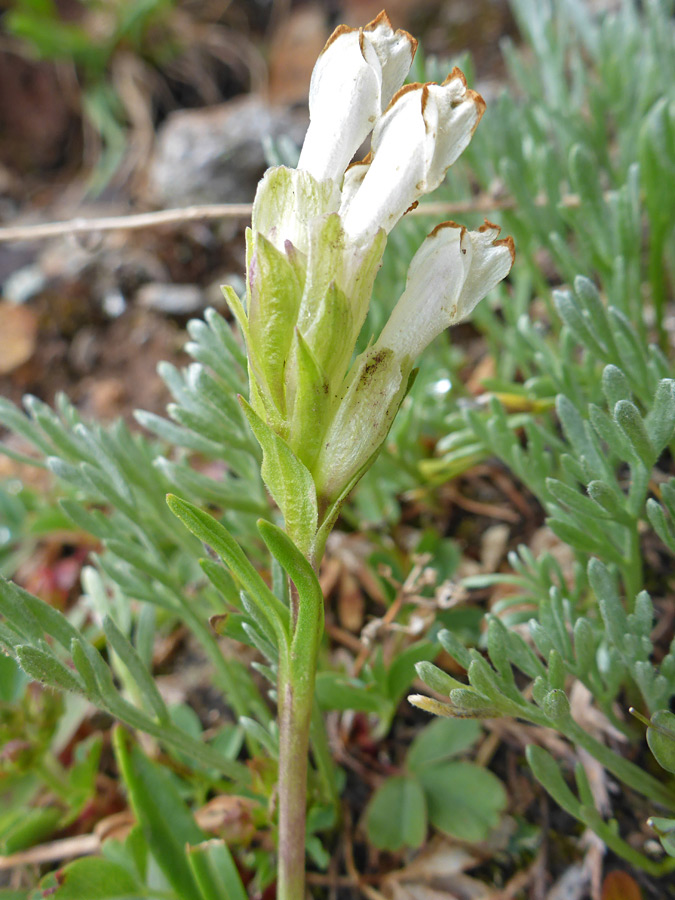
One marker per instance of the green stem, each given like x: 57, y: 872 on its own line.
x: 623, y: 769
x: 297, y: 672
x: 295, y: 714
x: 657, y: 278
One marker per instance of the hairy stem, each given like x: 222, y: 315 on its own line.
x: 295, y: 714
x: 297, y: 671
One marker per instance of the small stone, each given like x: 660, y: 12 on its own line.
x: 171, y: 299
x: 24, y: 283
x: 113, y: 303
x: 215, y: 155
x: 18, y: 335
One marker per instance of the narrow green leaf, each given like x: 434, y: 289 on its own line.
x: 47, y: 669
x: 660, y: 421
x: 309, y: 615
x: 548, y: 774
x: 452, y: 644
x: 630, y: 421
x: 137, y: 670
x: 215, y: 871
x: 581, y: 506
x: 612, y: 611
x: 166, y: 821
x: 661, y: 524
x: 436, y: 678
x: 178, y: 435
x: 17, y: 614
x: 615, y: 386
x: 215, y: 535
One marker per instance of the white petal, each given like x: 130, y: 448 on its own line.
x: 491, y: 261
x: 451, y: 272
x: 344, y: 102
x: 435, y: 278
x: 421, y: 134
x: 395, y: 50
x: 451, y: 114
x: 355, y: 77
x: 353, y: 180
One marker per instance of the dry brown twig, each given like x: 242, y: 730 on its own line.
x: 42, y: 231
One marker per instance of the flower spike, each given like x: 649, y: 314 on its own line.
x: 317, y: 239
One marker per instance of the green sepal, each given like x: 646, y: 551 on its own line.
x: 327, y: 313
x: 237, y: 309
x: 311, y: 402
x: 283, y: 193
x: 334, y: 504
x: 337, y: 293
x: 272, y: 313
x: 288, y: 480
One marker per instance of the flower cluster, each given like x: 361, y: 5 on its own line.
x: 316, y: 242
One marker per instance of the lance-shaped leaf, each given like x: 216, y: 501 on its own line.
x: 215, y: 535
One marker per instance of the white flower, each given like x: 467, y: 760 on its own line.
x: 420, y: 135
x: 355, y: 77
x: 451, y: 272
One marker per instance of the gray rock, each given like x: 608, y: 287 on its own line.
x: 24, y: 283
x: 171, y: 299
x: 215, y: 155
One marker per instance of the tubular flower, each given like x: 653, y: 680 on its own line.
x: 451, y: 272
x: 421, y: 134
x: 316, y: 242
x: 355, y: 77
